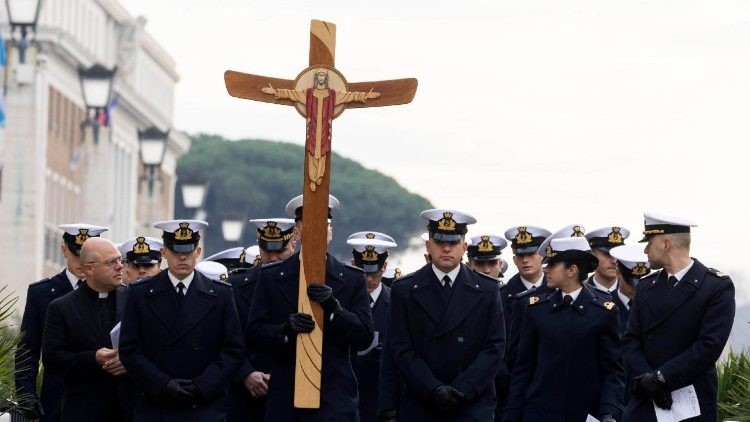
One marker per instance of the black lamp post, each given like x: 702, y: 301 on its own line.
x: 96, y: 84
x: 153, y: 145
x: 23, y: 14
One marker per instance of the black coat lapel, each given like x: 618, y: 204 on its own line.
x: 466, y: 294
x: 199, y: 300
x: 161, y: 298
x: 334, y: 274
x: 120, y: 294
x: 426, y: 292
x: 677, y: 295
x: 247, y: 286
x: 287, y: 278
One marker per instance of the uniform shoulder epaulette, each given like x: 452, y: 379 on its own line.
x: 533, y: 300
x: 237, y: 271
x: 718, y: 273
x: 353, y: 268
x: 40, y: 282
x: 270, y: 265
x: 222, y: 283
x: 524, y: 294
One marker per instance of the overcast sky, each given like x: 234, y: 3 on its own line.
x: 545, y: 112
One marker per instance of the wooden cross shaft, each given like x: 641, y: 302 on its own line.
x: 320, y: 93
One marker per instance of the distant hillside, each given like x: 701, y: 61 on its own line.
x: 255, y: 179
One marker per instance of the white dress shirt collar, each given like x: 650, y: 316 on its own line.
x: 574, y: 294
x: 529, y: 285
x: 376, y: 293
x: 72, y: 279
x: 624, y: 299
x: 186, y: 281
x: 679, y: 274
x: 603, y: 288
x: 452, y: 273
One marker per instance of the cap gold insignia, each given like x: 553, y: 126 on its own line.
x: 609, y: 305
x: 523, y: 237
x: 223, y: 277
x: 141, y: 247
x: 257, y: 260
x: 242, y: 256
x: 615, y: 237
x: 271, y: 231
x: 447, y: 223
x: 577, y: 232
x: 397, y: 272
x: 485, y: 245
x: 549, y: 252
x: 640, y: 269
x: 83, y: 235
x: 533, y: 300
x: 184, y: 232
x: 369, y: 254
x: 370, y: 235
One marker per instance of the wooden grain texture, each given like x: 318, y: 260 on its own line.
x: 392, y: 92
x: 248, y: 87
x: 309, y: 352
x: 322, y: 43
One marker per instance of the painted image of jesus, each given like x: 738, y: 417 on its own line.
x: 320, y: 102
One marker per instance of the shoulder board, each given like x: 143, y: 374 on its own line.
x: 40, y: 282
x: 236, y: 271
x: 525, y: 293
x: 601, y: 294
x: 718, y: 273
x: 270, y: 265
x: 353, y: 268
x: 652, y: 275
x: 222, y: 283
x: 533, y: 300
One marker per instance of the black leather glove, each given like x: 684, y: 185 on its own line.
x: 387, y: 416
x: 324, y: 295
x: 299, y: 323
x: 648, y: 386
x: 607, y: 418
x: 32, y: 407
x: 446, y: 397
x: 190, y: 387
x: 175, y: 394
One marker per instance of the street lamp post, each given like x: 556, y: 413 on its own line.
x: 194, y: 194
x: 153, y: 145
x: 23, y: 14
x: 96, y: 84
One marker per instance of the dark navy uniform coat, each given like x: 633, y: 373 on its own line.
x: 244, y: 407
x: 72, y: 336
x: 624, y: 311
x: 351, y: 329
x: 681, y: 333
x: 159, y: 341
x: 39, y: 295
x: 367, y: 367
x: 568, y: 364
x: 461, y: 343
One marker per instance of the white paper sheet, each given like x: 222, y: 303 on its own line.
x: 590, y: 418
x: 372, y: 345
x: 115, y: 336
x: 684, y: 405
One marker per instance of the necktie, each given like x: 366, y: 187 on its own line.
x: 630, y: 303
x: 446, y: 283
x: 567, y: 300
x: 372, y: 302
x: 672, y: 280
x: 180, y: 293
x: 78, y: 283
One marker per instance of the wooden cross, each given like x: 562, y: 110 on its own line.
x: 320, y: 93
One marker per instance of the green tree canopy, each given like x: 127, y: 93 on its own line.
x: 255, y: 179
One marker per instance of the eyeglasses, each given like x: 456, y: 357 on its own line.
x: 111, y: 262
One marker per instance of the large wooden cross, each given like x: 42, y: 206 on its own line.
x: 320, y: 93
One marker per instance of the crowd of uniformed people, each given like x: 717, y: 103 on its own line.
x: 589, y: 327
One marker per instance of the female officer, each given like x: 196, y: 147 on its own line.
x: 568, y: 364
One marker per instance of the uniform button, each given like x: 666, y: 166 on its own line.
x: 460, y: 339
x: 649, y: 337
x: 281, y: 274
x: 195, y: 347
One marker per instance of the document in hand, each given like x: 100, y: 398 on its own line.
x: 115, y: 336
x: 373, y: 345
x: 684, y: 405
x: 590, y: 418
